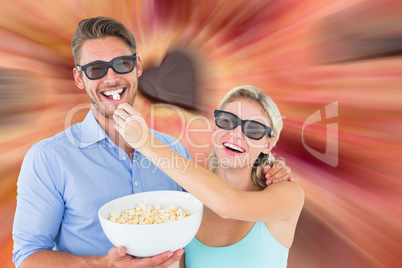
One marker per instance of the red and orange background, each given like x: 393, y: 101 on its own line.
x: 304, y: 54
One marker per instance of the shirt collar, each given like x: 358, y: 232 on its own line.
x: 92, y: 132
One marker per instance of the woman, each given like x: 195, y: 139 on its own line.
x: 245, y: 223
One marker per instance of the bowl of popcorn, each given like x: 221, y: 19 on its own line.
x: 150, y: 223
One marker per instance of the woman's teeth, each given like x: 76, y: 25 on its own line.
x: 233, y: 147
x: 114, y: 93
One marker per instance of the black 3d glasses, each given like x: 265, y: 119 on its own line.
x: 98, y: 69
x: 252, y: 129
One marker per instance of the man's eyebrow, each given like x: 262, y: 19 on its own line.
x: 107, y: 61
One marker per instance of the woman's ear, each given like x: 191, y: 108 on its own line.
x: 77, y: 79
x: 269, y: 146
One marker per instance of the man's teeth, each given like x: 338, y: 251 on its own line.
x: 234, y: 147
x: 114, y: 93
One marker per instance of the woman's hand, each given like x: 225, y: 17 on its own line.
x: 278, y: 172
x: 131, y: 125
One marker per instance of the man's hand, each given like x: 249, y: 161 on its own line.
x: 278, y: 172
x: 118, y: 258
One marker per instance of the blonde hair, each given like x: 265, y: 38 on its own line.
x: 274, y: 116
x: 98, y: 28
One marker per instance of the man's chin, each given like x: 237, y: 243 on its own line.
x: 106, y: 109
x: 110, y: 108
x: 107, y: 113
x: 101, y: 111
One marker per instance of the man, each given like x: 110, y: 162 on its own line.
x: 65, y: 179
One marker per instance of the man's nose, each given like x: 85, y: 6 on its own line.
x: 111, y: 76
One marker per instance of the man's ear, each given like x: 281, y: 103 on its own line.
x: 269, y: 146
x: 77, y: 79
x: 139, y: 67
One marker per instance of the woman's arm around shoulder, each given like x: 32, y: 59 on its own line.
x: 280, y: 201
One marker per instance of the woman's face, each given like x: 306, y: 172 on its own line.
x: 232, y: 147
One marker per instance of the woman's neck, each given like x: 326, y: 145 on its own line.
x: 238, y: 178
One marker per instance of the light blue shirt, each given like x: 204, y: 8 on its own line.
x: 257, y: 249
x: 65, y: 179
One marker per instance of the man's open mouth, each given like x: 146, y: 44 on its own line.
x: 114, y: 94
x: 233, y: 148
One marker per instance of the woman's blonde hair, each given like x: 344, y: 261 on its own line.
x: 274, y: 116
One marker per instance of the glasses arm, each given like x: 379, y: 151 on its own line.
x: 271, y: 132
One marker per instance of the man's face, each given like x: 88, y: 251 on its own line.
x: 106, y: 93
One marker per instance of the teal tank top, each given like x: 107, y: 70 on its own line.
x: 257, y: 249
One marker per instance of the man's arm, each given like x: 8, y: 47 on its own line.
x: 278, y: 172
x: 117, y: 257
x: 40, y: 209
x: 51, y: 258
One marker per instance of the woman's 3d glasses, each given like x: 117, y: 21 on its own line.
x: 98, y: 69
x: 251, y: 129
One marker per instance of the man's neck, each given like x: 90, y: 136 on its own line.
x: 107, y: 124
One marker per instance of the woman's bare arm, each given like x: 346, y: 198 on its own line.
x: 276, y: 202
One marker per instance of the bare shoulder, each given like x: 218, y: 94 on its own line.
x: 288, y: 195
x: 286, y: 188
x: 289, y: 198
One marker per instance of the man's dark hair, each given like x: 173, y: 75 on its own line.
x: 97, y: 28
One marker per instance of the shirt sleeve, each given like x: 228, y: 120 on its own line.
x: 182, y: 150
x: 173, y: 143
x: 40, y: 206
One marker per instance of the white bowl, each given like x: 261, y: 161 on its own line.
x: 151, y: 240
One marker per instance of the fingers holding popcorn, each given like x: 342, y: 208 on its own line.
x: 131, y: 125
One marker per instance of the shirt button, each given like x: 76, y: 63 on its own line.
x: 136, y: 183
x: 124, y: 157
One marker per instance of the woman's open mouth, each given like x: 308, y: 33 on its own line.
x: 232, y: 149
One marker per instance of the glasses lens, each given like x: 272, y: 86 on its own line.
x: 254, y: 130
x: 95, y: 70
x: 226, y: 121
x: 123, y: 65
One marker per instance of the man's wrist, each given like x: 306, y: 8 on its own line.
x: 97, y: 261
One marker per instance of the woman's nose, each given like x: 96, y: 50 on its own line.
x: 237, y: 132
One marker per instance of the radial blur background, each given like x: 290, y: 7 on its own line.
x: 334, y: 68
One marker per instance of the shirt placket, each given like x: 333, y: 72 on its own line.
x: 137, y: 186
x: 122, y: 156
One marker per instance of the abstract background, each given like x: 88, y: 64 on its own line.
x: 334, y: 68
